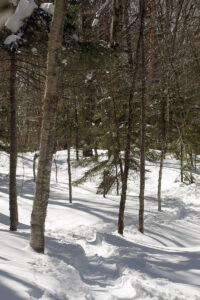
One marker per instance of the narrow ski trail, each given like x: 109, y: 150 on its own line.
x: 85, y: 257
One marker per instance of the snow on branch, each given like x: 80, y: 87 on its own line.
x: 99, y: 12
x: 48, y: 8
x: 24, y: 10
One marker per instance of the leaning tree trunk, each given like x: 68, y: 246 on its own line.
x: 13, y: 147
x: 48, y: 130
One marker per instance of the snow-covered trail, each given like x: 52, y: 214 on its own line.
x: 85, y: 257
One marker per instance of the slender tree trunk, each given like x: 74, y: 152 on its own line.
x: 182, y: 160
x: 160, y: 179
x: 117, y: 179
x: 117, y: 138
x: 129, y: 129
x: 13, y: 147
x: 191, y: 167
x: 96, y: 153
x: 77, y: 132
x: 34, y: 166
x: 118, y: 7
x: 69, y: 169
x: 104, y: 184
x: 143, y: 124
x: 47, y: 140
x: 163, y: 150
x: 152, y: 49
x: 195, y: 162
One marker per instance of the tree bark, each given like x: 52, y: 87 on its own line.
x: 182, y: 161
x: 160, y: 179
x: 164, y: 122
x: 152, y: 49
x: 13, y: 147
x: 118, y: 7
x: 77, y: 131
x: 129, y: 130
x: 143, y: 124
x: 48, y: 130
x: 69, y: 170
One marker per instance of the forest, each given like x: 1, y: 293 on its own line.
x: 100, y: 149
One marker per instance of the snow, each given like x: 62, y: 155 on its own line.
x: 85, y: 257
x: 48, y: 8
x: 13, y: 38
x: 24, y: 10
x: 99, y: 12
x: 14, y: 2
x: 34, y: 51
x: 95, y: 21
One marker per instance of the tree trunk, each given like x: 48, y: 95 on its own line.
x: 13, y: 147
x: 77, y: 131
x: 165, y: 121
x: 117, y: 138
x: 87, y: 152
x: 160, y: 179
x: 117, y: 179
x: 34, y: 166
x: 152, y: 49
x: 104, y: 184
x: 182, y: 161
x: 69, y: 170
x: 118, y: 7
x: 48, y: 131
x: 129, y: 130
x: 143, y: 124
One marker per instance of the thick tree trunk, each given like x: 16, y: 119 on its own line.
x: 143, y: 124
x: 13, y: 148
x: 48, y: 131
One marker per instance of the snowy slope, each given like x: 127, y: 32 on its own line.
x: 85, y: 257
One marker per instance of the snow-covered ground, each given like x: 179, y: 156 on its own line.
x: 85, y: 257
